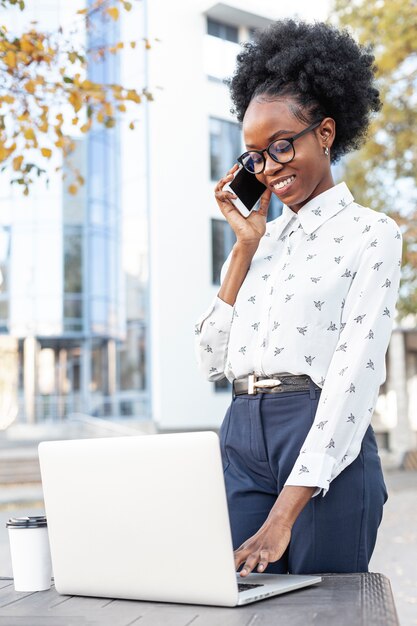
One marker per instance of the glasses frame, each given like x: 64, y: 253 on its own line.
x: 289, y: 139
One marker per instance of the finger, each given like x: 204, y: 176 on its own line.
x: 240, y: 556
x: 264, y: 203
x: 250, y: 564
x: 263, y: 560
x: 230, y: 174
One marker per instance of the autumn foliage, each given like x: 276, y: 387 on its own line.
x: 383, y: 174
x: 45, y: 89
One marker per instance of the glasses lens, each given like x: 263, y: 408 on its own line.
x: 282, y: 151
x: 253, y: 162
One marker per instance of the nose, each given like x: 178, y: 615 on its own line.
x: 271, y: 166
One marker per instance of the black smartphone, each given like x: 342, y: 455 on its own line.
x: 248, y: 190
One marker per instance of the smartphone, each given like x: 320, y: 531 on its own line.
x: 248, y: 190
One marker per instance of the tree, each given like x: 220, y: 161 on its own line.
x: 383, y: 173
x: 44, y: 89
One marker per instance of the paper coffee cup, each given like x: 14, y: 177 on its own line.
x: 31, y: 557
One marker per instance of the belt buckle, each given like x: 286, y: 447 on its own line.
x: 254, y: 383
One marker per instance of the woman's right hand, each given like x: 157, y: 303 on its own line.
x: 248, y: 230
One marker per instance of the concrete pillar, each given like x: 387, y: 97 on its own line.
x: 401, y: 437
x: 29, y: 378
x: 85, y: 364
x: 111, y: 375
x: 62, y: 383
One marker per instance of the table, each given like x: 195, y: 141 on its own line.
x: 340, y: 600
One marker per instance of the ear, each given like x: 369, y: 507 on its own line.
x: 327, y: 132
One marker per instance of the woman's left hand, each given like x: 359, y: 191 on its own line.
x: 266, y: 546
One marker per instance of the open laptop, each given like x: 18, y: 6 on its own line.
x: 146, y: 518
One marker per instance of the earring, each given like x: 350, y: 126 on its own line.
x: 326, y: 151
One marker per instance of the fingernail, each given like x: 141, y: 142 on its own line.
x: 260, y: 566
x: 244, y: 571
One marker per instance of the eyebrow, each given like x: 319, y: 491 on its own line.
x: 272, y: 137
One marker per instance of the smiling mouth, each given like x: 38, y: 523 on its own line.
x: 284, y: 183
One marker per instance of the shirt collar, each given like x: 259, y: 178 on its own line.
x: 318, y: 210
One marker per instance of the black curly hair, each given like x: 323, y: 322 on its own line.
x: 323, y: 71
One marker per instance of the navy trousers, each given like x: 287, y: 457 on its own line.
x: 261, y: 437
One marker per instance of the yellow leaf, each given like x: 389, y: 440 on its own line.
x: 10, y: 59
x: 82, y: 11
x: 132, y: 126
x: 122, y: 107
x: 25, y: 44
x: 46, y: 152
x: 113, y: 12
x: 7, y: 99
x: 75, y: 120
x: 73, y: 189
x: 17, y: 162
x: 30, y: 86
x: 29, y: 134
x: 100, y: 116
x: 76, y: 100
x: 26, y: 191
x: 133, y: 44
x: 133, y: 95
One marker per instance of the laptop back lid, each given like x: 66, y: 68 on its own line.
x: 142, y: 517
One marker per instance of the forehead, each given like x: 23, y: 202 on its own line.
x: 264, y: 118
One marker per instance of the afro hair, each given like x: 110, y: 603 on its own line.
x: 321, y: 69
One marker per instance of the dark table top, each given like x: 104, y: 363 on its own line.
x: 341, y: 599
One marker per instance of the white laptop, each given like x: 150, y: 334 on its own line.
x: 146, y: 518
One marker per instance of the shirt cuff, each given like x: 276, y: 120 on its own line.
x: 312, y: 470
x: 221, y: 313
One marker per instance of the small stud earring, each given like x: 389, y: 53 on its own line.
x: 326, y: 151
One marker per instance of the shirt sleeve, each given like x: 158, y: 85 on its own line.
x: 357, y: 368
x: 211, y: 335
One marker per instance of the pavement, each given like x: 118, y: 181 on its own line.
x: 395, y: 553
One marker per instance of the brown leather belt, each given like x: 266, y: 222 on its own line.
x: 276, y: 383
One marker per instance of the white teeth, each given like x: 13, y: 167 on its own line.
x: 283, y: 183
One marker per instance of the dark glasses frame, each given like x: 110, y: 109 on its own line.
x: 290, y: 141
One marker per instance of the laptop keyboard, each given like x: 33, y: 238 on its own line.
x: 247, y: 586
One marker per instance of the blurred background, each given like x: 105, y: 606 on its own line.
x: 115, y: 126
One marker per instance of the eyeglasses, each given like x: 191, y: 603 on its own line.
x: 280, y: 150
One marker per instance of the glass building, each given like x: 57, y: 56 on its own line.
x: 67, y: 341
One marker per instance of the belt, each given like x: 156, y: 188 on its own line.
x: 276, y: 383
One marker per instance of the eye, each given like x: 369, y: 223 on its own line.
x: 252, y: 160
x: 280, y: 146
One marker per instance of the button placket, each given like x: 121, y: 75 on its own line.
x: 265, y: 320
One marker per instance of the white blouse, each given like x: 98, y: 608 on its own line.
x: 319, y: 299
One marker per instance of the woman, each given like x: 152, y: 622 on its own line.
x: 306, y: 306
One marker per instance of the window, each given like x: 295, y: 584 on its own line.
x: 222, y: 31
x: 73, y: 274
x: 225, y: 146
x: 222, y: 241
x: 4, y: 259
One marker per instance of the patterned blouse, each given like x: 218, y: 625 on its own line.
x: 319, y: 299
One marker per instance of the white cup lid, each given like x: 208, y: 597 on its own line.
x: 27, y: 522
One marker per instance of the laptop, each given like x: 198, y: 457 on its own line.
x: 145, y: 518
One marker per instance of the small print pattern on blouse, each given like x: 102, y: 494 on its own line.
x: 319, y: 299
